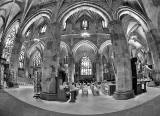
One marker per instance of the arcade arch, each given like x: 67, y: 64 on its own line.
x: 84, y: 48
x: 140, y: 28
x: 9, y: 41
x: 84, y: 6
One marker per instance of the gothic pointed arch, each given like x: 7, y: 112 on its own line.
x: 124, y: 10
x: 74, y: 8
x: 9, y: 40
x: 30, y: 20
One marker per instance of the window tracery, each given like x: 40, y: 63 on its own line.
x: 21, y: 58
x: 43, y: 29
x: 84, y: 24
x: 28, y: 33
x: 86, y: 66
x: 104, y: 24
x: 9, y: 43
x: 37, y: 59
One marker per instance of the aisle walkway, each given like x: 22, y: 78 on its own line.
x: 84, y: 105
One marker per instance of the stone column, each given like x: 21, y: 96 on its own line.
x: 101, y: 68
x: 97, y: 72
x: 1, y: 48
x: 1, y: 75
x: 14, y: 60
x: 149, y: 58
x: 71, y: 68
x: 98, y: 68
x: 122, y: 62
x: 50, y: 63
x: 150, y: 71
x: 153, y: 40
x: 73, y: 73
x: 26, y: 65
x: 2, y: 62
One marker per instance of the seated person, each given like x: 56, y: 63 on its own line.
x: 95, y: 91
x: 73, y: 92
x: 85, y: 90
x: 67, y: 90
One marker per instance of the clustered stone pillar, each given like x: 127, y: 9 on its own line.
x: 151, y: 38
x: 149, y: 72
x: 14, y: 61
x: 1, y: 75
x: 99, y: 68
x: 2, y: 61
x: 122, y: 61
x: 50, y: 63
x: 149, y: 58
x: 71, y: 70
x: 26, y: 65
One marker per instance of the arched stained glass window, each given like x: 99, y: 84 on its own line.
x: 9, y: 42
x: 28, y: 33
x: 84, y: 24
x: 43, y: 29
x: 21, y: 57
x: 86, y: 66
x: 36, y: 59
x: 141, y: 56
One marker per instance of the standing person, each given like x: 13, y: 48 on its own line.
x: 85, y: 90
x: 95, y: 90
x: 4, y: 81
x: 72, y: 92
x: 76, y: 90
x: 67, y: 90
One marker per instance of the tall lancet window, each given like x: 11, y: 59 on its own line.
x: 43, y: 29
x: 37, y: 59
x: 85, y: 24
x: 21, y: 57
x: 86, y: 66
x: 9, y: 42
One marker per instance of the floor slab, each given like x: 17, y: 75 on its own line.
x: 84, y: 105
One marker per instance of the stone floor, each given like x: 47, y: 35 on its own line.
x: 90, y: 105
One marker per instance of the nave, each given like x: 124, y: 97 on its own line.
x: 48, y: 46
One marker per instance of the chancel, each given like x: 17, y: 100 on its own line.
x: 79, y: 57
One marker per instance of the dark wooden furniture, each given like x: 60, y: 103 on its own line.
x: 111, y: 89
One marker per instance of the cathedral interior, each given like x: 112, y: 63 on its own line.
x: 79, y: 57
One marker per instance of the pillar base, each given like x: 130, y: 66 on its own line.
x: 119, y: 95
x: 48, y: 96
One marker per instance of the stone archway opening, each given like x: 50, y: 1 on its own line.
x: 140, y: 46
x: 86, y: 70
x: 84, y: 55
